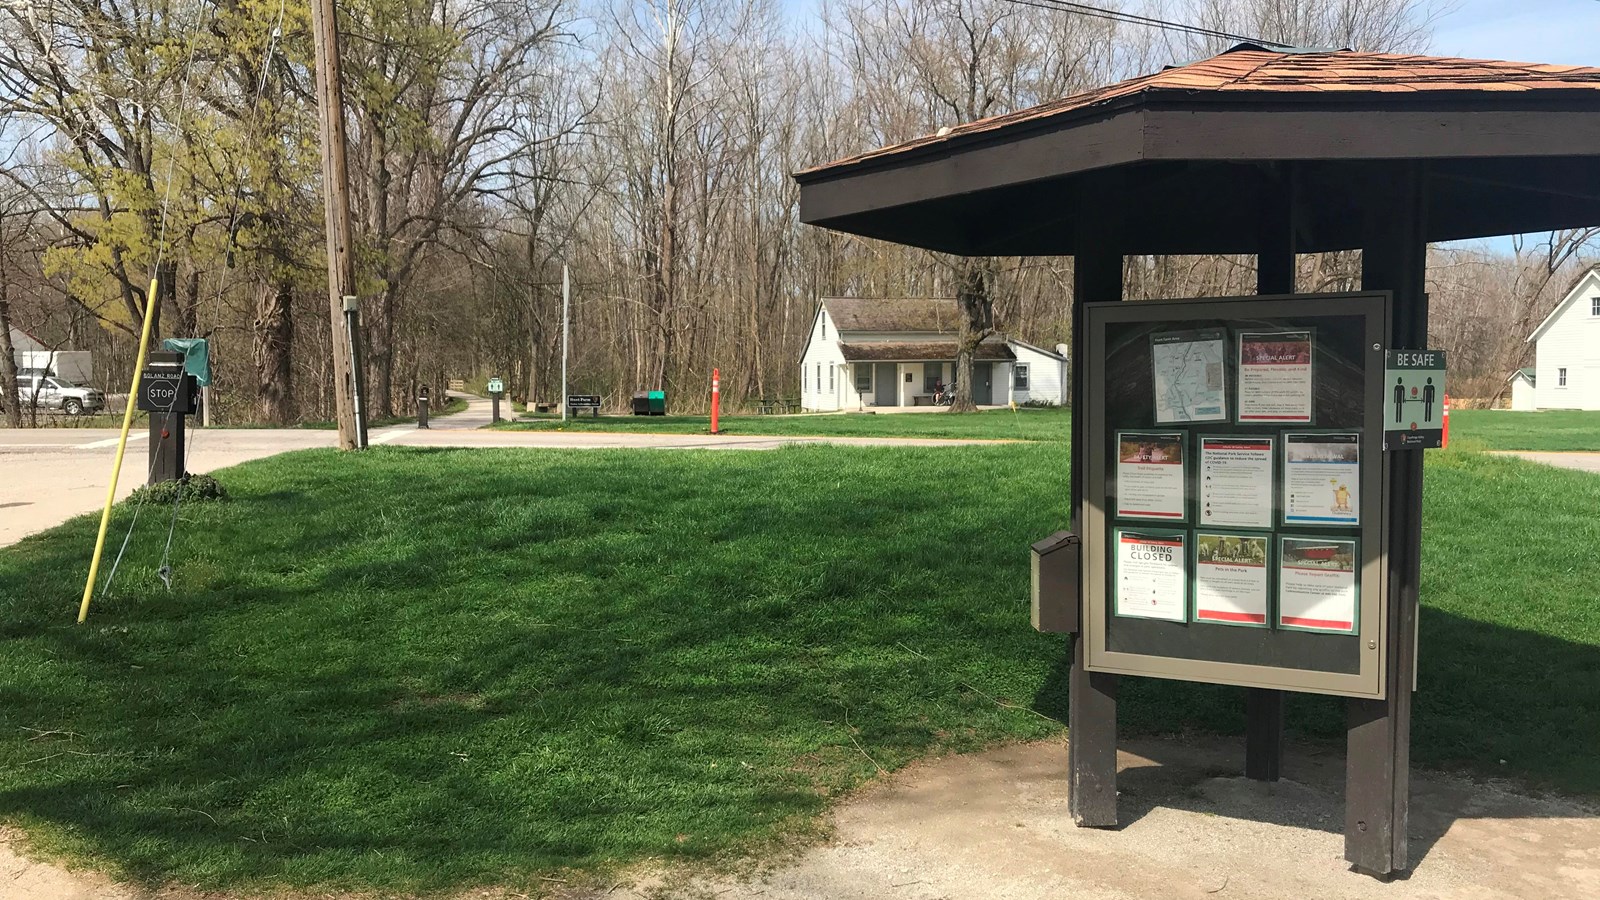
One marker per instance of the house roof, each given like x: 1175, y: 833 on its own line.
x: 1527, y: 372
x: 1587, y: 278
x: 1251, y: 69
x: 937, y: 316
x: 919, y: 351
x: 1037, y: 349
x: 28, y: 337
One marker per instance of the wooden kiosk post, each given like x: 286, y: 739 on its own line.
x: 1378, y: 757
x: 1272, y: 153
x: 1092, y: 709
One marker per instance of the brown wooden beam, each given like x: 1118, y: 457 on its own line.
x: 1275, y: 275
x: 1092, y: 696
x: 1378, y: 762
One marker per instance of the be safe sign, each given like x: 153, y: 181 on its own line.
x: 1413, y: 389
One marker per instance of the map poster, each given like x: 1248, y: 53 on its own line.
x: 1322, y: 479
x: 1152, y: 577
x: 1317, y: 585
x: 1187, y: 369
x: 1150, y: 478
x: 1230, y: 579
x: 1275, y: 377
x: 1235, y: 481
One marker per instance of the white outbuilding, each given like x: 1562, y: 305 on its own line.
x: 1567, y: 351
x: 865, y: 353
x: 1522, y: 383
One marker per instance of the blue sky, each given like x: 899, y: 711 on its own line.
x: 1547, y: 31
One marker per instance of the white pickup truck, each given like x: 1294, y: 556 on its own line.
x: 50, y: 392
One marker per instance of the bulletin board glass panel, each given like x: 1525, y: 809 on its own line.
x: 1234, y: 511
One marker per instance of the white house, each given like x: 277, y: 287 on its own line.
x: 1567, y: 350
x: 867, y: 353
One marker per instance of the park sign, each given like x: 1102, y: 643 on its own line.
x: 583, y: 401
x: 496, y: 386
x: 1413, y: 397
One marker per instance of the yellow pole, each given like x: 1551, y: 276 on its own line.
x: 122, y: 447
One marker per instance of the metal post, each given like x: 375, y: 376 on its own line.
x: 352, y: 336
x: 1378, y: 732
x: 1091, y: 696
x: 566, y: 313
x: 205, y: 406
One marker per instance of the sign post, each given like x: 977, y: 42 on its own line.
x: 496, y: 389
x: 167, y: 393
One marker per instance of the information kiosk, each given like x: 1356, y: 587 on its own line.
x: 1233, y: 512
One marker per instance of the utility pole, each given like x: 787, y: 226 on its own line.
x: 336, y: 208
x: 566, y: 332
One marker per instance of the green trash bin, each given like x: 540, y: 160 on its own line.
x: 658, y: 403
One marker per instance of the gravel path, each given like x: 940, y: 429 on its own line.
x: 995, y: 825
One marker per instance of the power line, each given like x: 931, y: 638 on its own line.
x: 1127, y: 18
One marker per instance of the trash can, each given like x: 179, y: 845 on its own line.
x: 641, y: 403
x: 658, y: 403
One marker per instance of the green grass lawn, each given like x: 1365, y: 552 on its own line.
x: 1027, y: 424
x: 417, y: 669
x: 1502, y: 429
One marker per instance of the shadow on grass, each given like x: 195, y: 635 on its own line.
x: 423, y: 668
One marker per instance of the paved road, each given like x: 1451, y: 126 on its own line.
x: 1582, y: 462
x: 53, y: 474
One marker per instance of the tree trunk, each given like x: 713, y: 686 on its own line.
x: 8, y: 355
x: 974, y: 321
x: 274, y: 339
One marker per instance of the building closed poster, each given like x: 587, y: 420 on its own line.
x: 1322, y: 479
x: 1151, y: 575
x: 1317, y: 584
x: 1150, y: 475
x: 1235, y: 482
x: 1275, y: 377
x: 1230, y: 579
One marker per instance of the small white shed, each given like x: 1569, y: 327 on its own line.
x: 1522, y: 389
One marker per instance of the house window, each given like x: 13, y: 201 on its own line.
x: 1019, y: 376
x: 863, y: 378
x: 1561, y: 377
x: 819, y: 378
x: 830, y: 379
x: 932, y: 377
x: 824, y: 329
x: 1594, y: 305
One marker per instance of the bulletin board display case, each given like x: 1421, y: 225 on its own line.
x: 1235, y: 504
